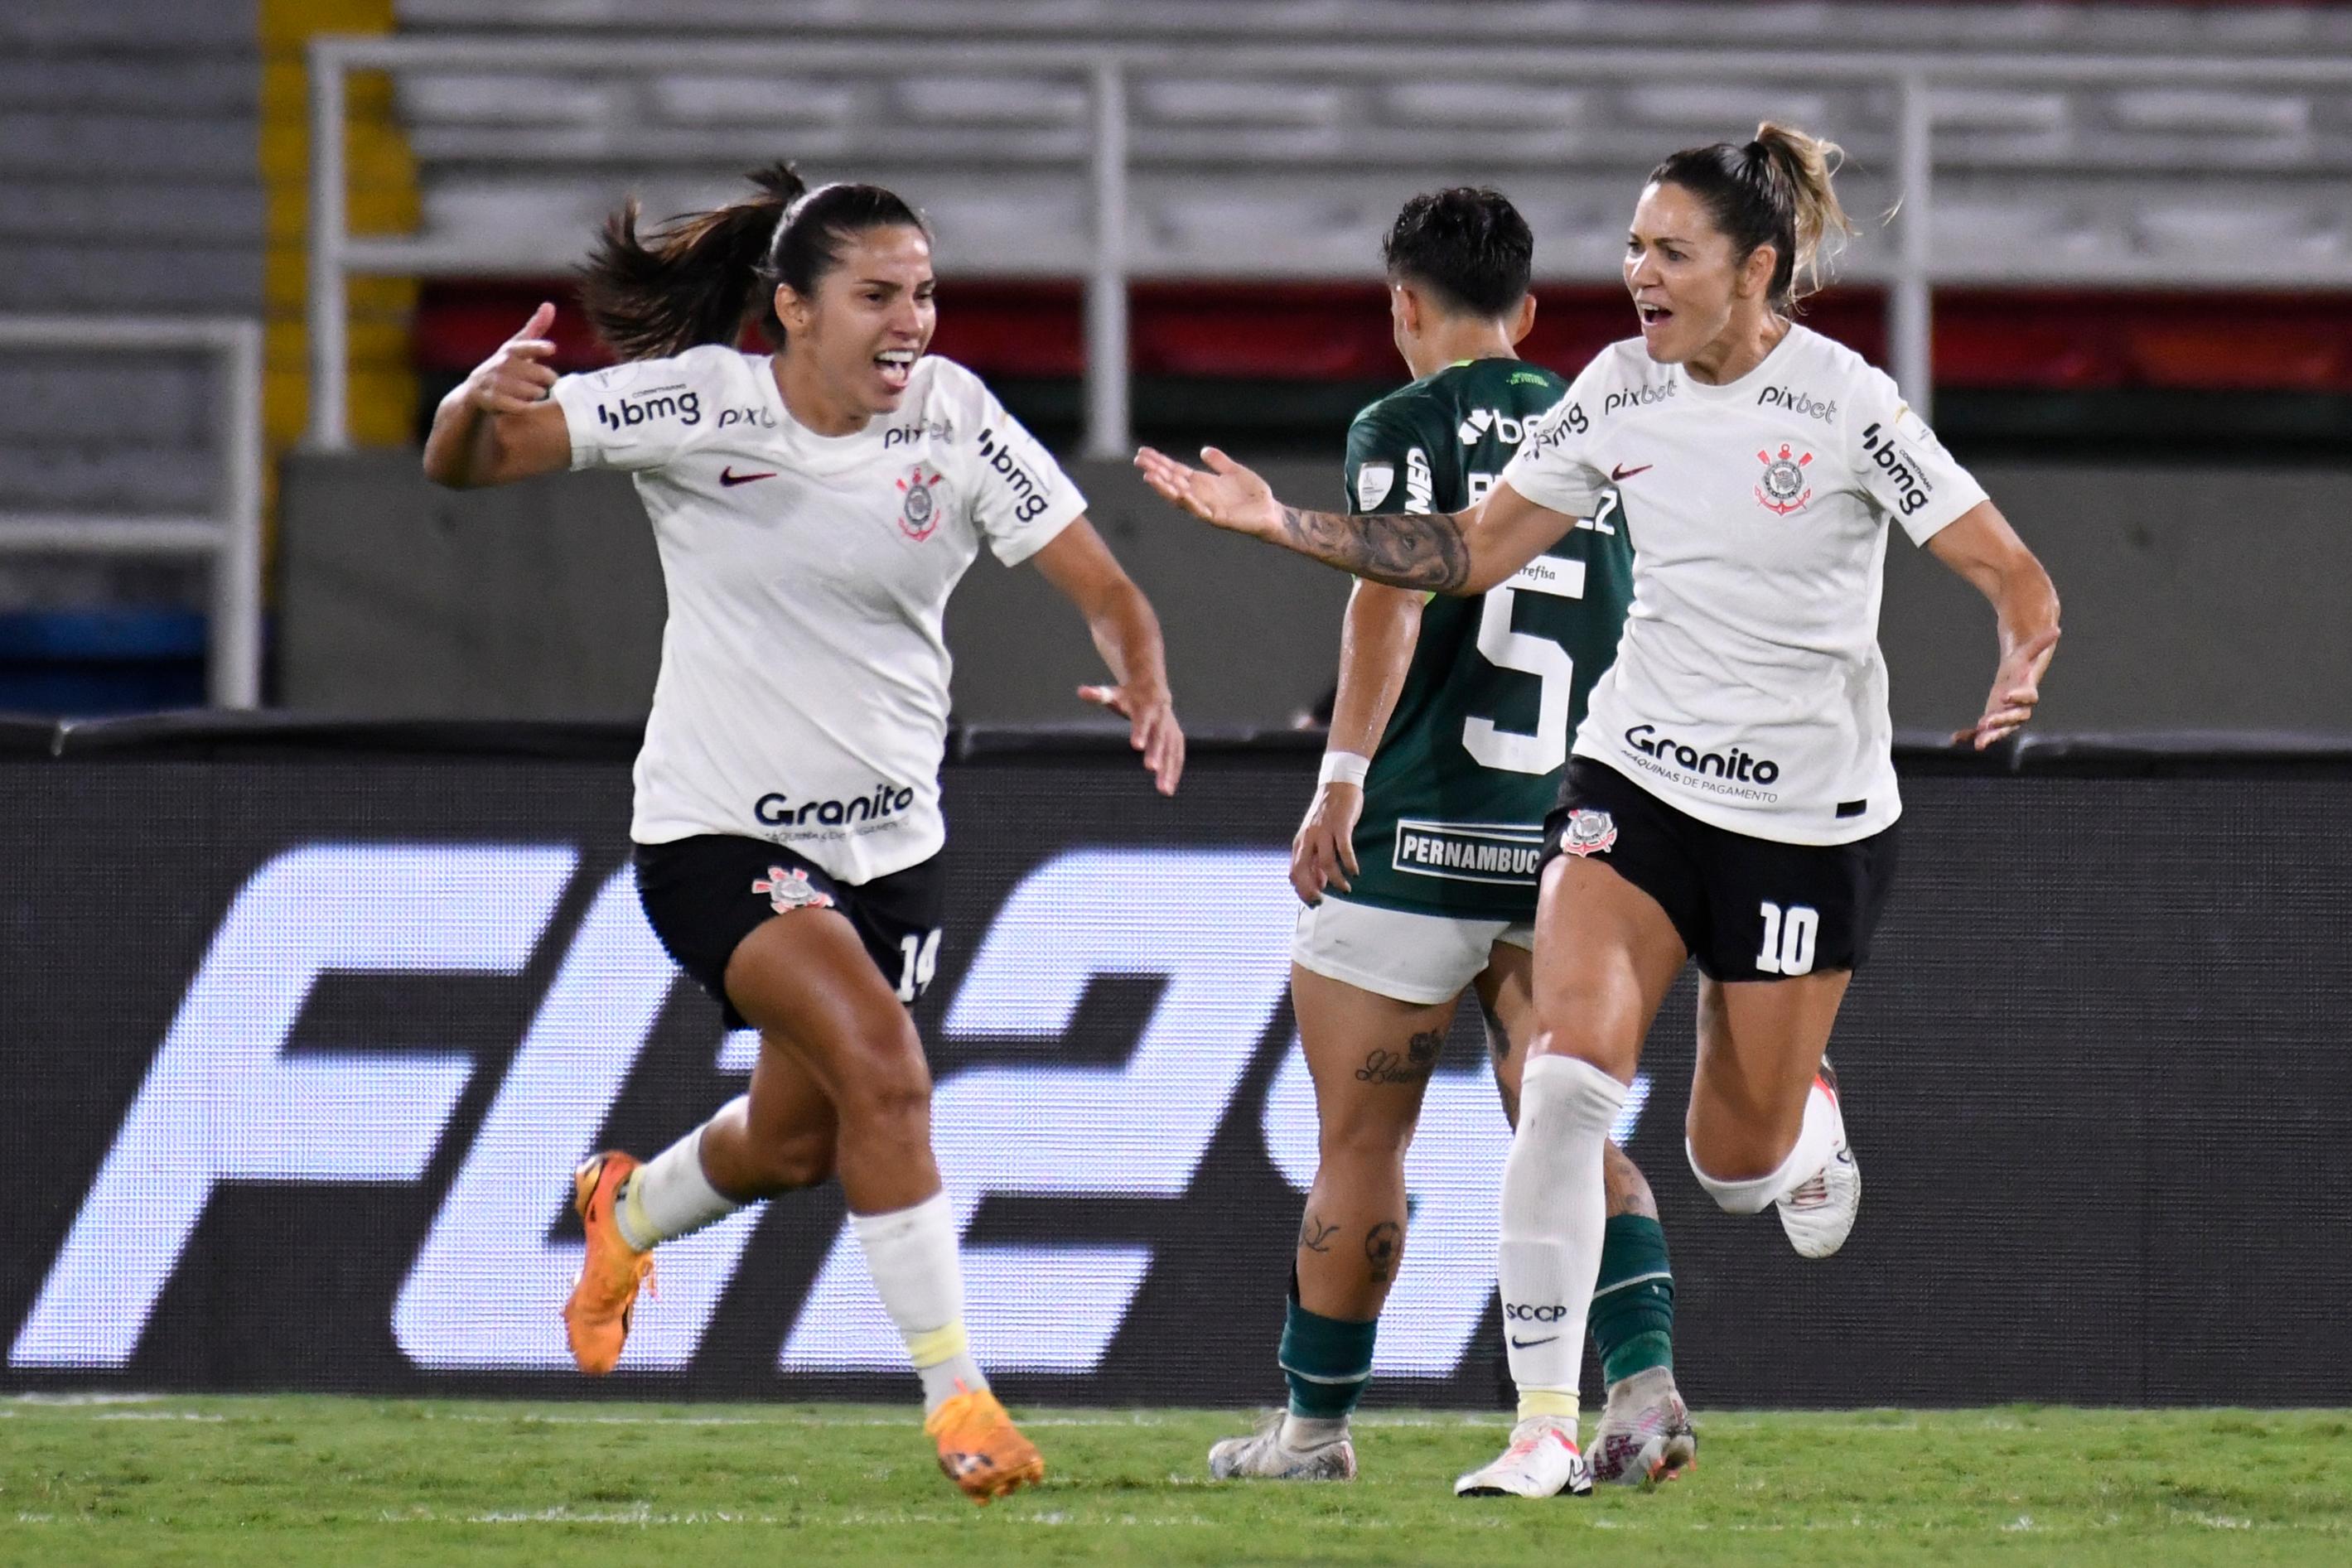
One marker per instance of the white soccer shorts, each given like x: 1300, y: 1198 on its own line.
x: 1419, y: 958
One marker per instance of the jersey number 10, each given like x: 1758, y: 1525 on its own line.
x: 1547, y: 749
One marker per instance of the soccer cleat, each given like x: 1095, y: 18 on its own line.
x: 1262, y: 1456
x: 980, y: 1447
x: 1818, y: 1212
x: 1541, y: 1461
x: 1644, y: 1433
x: 596, y: 1318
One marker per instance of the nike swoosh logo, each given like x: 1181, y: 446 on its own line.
x: 1622, y: 472
x: 728, y: 477
x: 1519, y: 1343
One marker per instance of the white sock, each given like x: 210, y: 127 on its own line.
x: 1303, y: 1433
x: 1555, y: 1212
x: 911, y: 1254
x: 668, y: 1196
x: 1817, y: 1140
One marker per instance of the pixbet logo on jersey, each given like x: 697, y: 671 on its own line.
x: 676, y: 402
x: 1796, y: 401
x: 233, y: 1097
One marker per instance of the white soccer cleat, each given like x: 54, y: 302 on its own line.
x: 1645, y: 1432
x: 1818, y: 1212
x: 1541, y: 1461
x: 1261, y: 1456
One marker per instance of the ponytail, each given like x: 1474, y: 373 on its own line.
x: 1775, y: 190
x: 698, y: 278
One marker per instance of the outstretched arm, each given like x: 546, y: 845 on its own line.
x: 1464, y: 553
x: 1126, y: 635
x: 1981, y: 547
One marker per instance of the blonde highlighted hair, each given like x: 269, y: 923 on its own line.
x: 1777, y: 189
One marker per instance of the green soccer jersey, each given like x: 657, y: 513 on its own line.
x: 1470, y: 762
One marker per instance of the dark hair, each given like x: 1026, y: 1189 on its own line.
x: 1466, y: 245
x: 692, y: 280
x: 1774, y: 190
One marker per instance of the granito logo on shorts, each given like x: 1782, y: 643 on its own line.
x: 1734, y: 772
x: 1588, y: 832
x: 1503, y: 853
x: 882, y: 801
x: 790, y: 890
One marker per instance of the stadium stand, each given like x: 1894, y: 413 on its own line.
x: 2075, y: 198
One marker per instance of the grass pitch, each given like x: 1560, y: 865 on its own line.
x: 277, y: 1482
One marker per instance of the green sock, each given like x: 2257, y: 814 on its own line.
x: 1632, y: 1316
x: 1326, y: 1360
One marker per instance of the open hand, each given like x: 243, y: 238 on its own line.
x: 517, y: 377
x: 1323, y: 851
x: 1227, y: 494
x: 2016, y: 687
x: 1153, y: 729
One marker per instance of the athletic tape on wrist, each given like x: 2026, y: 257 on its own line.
x: 1344, y: 768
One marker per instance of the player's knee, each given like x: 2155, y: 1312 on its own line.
x: 884, y: 1079
x: 800, y: 1160
x: 1359, y: 1136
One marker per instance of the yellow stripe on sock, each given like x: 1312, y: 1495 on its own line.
x: 933, y: 1346
x: 1547, y: 1402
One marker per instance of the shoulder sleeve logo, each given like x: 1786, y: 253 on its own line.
x: 1373, y: 482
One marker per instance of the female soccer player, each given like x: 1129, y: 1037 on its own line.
x: 813, y: 508
x: 1732, y: 792
x: 1417, y: 858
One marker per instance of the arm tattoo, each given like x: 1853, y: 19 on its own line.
x: 1404, y: 549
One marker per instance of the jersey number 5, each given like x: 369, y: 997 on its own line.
x: 1547, y: 749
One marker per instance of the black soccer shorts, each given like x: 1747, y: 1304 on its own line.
x: 1747, y: 908
x: 703, y: 895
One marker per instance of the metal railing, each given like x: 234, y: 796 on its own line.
x: 1909, y: 275
x: 230, y: 536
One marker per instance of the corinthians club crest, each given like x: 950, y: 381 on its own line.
x: 1588, y: 832
x: 918, y: 516
x: 1782, y: 490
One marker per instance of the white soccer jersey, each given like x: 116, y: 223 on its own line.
x: 1748, y: 690
x: 803, y: 687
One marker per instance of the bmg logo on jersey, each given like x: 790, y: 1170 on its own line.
x: 1028, y: 493
x: 678, y: 403
x: 1912, y: 487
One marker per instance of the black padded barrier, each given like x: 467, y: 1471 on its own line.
x: 308, y: 1021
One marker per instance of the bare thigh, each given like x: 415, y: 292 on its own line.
x: 805, y: 979
x: 1507, y: 1000
x: 1760, y: 1045
x: 1606, y: 957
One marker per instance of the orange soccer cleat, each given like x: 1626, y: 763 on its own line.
x: 596, y: 1318
x: 980, y: 1447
